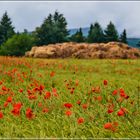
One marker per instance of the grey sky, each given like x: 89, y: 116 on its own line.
x: 78, y: 14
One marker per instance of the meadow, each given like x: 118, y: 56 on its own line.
x: 69, y: 98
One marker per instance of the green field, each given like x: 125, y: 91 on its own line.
x: 69, y: 98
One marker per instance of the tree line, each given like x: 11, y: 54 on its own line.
x: 97, y: 35
x: 52, y: 30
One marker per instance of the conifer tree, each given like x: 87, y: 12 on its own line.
x: 97, y: 33
x: 123, y: 37
x: 89, y: 37
x: 52, y: 30
x: 6, y: 28
x: 78, y: 36
x: 111, y: 33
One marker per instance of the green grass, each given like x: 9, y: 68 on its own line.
x: 123, y: 74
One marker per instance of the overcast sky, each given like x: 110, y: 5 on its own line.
x: 28, y: 15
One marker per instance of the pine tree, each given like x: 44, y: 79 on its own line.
x: 52, y: 30
x: 89, y: 37
x: 6, y: 28
x: 111, y: 33
x: 78, y: 36
x: 60, y: 28
x: 44, y: 32
x: 123, y: 37
x: 97, y: 33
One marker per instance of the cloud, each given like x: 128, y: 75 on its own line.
x: 78, y: 14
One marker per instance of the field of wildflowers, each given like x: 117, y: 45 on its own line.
x: 56, y: 98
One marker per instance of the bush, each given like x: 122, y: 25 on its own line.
x: 17, y: 45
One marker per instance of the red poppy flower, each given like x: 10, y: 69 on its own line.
x: 105, y: 82
x: 126, y: 97
x: 115, y: 92
x: 48, y: 95
x: 41, y: 87
x: 1, y: 115
x: 122, y: 112
x: 122, y: 94
x: 84, y: 106
x: 78, y: 102
x: 111, y: 126
x: 55, y: 94
x: 121, y: 90
x: 52, y: 74
x: 54, y: 91
x: 31, y: 97
x: 4, y: 88
x: 17, y: 105
x: 99, y: 98
x: 80, y: 120
x: 115, y: 123
x: 77, y: 82
x: 68, y: 105
x: 0, y: 82
x: 108, y: 125
x: 20, y: 90
x: 5, y: 104
x: 120, y: 99
x: 39, y: 104
x: 71, y: 91
x: 36, y: 89
x: 9, y: 99
x: 110, y: 111
x: 93, y: 89
x: 16, y: 111
x: 68, y: 113
x: 29, y: 113
x: 29, y: 91
x: 45, y: 110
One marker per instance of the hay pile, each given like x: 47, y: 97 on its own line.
x: 84, y: 50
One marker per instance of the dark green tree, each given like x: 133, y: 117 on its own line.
x: 78, y: 36
x: 53, y: 30
x: 60, y: 28
x: 17, y: 45
x: 43, y: 34
x: 90, y: 37
x: 111, y: 33
x: 123, y: 37
x: 97, y: 33
x: 6, y: 28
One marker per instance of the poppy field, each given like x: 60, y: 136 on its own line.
x: 69, y: 98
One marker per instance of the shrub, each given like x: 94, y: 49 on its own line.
x: 17, y: 45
